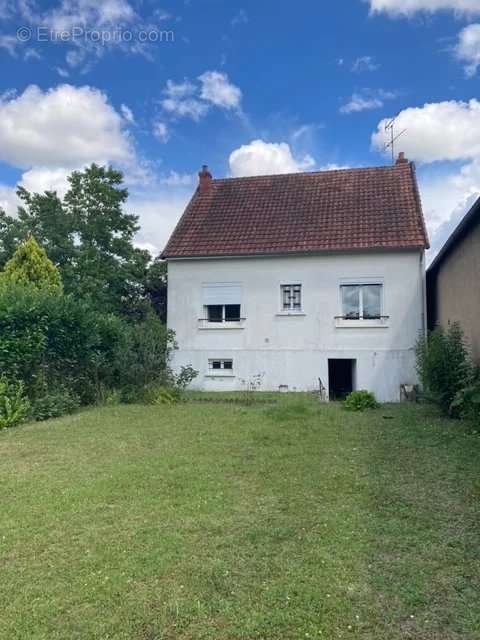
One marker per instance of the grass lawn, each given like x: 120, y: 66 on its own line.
x: 295, y: 520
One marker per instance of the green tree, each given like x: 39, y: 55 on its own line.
x: 88, y: 236
x: 157, y: 286
x: 30, y: 265
x: 110, y: 270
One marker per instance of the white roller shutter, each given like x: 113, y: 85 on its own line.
x: 222, y: 293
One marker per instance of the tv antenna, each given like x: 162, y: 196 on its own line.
x: 390, y: 130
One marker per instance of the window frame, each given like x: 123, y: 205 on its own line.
x: 291, y: 310
x: 224, y: 314
x: 222, y: 371
x: 342, y: 321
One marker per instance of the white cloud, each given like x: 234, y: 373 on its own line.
x: 441, y: 134
x: 409, y: 7
x: 437, y: 131
x: 8, y: 199
x: 66, y: 126
x: 188, y: 100
x: 32, y: 54
x: 367, y: 100
x: 266, y: 158
x: 446, y: 197
x: 160, y: 131
x: 63, y: 73
x: 468, y: 48
x: 174, y: 179
x: 217, y: 89
x: 38, y: 180
x: 75, y: 57
x: 159, y: 212
x: 90, y: 28
x: 333, y: 166
x: 180, y: 100
x: 365, y: 63
x: 10, y: 44
x: 88, y: 14
x: 127, y: 114
x: 241, y: 17
x: 179, y: 90
x: 35, y: 180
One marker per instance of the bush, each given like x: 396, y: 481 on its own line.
x: 162, y: 395
x: 143, y: 362
x: 50, y: 341
x: 14, y: 405
x: 180, y: 381
x: 360, y: 400
x: 54, y: 404
x: 444, y: 365
x: 142, y: 355
x: 466, y: 403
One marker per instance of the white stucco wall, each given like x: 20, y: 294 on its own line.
x: 294, y: 350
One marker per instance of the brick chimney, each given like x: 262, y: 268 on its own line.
x: 401, y: 158
x: 204, y: 179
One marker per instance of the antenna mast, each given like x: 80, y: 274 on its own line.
x: 390, y: 129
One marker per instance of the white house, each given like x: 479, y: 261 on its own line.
x: 300, y: 278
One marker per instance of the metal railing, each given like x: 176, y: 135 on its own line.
x: 205, y: 322
x: 361, y: 318
x: 220, y: 321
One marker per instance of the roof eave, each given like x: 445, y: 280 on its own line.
x: 279, y: 254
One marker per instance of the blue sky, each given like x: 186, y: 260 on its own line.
x: 247, y: 88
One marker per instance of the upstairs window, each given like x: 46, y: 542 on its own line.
x: 222, y: 302
x: 361, y: 301
x: 223, y: 312
x: 291, y: 297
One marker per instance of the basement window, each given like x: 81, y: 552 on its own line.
x: 220, y: 365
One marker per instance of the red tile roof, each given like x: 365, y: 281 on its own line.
x: 341, y: 210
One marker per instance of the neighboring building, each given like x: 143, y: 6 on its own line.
x: 301, y: 277
x: 453, y: 287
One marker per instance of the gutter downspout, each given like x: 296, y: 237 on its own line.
x: 423, y: 278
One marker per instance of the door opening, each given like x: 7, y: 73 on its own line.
x: 341, y: 378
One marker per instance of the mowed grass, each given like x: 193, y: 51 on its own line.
x: 218, y: 521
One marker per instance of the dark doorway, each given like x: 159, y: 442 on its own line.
x: 340, y: 378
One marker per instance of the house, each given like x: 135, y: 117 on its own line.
x: 452, y: 280
x: 301, y: 278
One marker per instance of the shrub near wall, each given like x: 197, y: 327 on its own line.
x: 445, y: 368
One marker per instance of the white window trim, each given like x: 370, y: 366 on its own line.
x: 290, y: 312
x: 226, y: 325
x: 219, y: 373
x: 203, y: 322
x: 374, y: 323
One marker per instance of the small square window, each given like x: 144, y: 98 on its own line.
x: 291, y: 297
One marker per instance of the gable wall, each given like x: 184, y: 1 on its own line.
x: 294, y: 350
